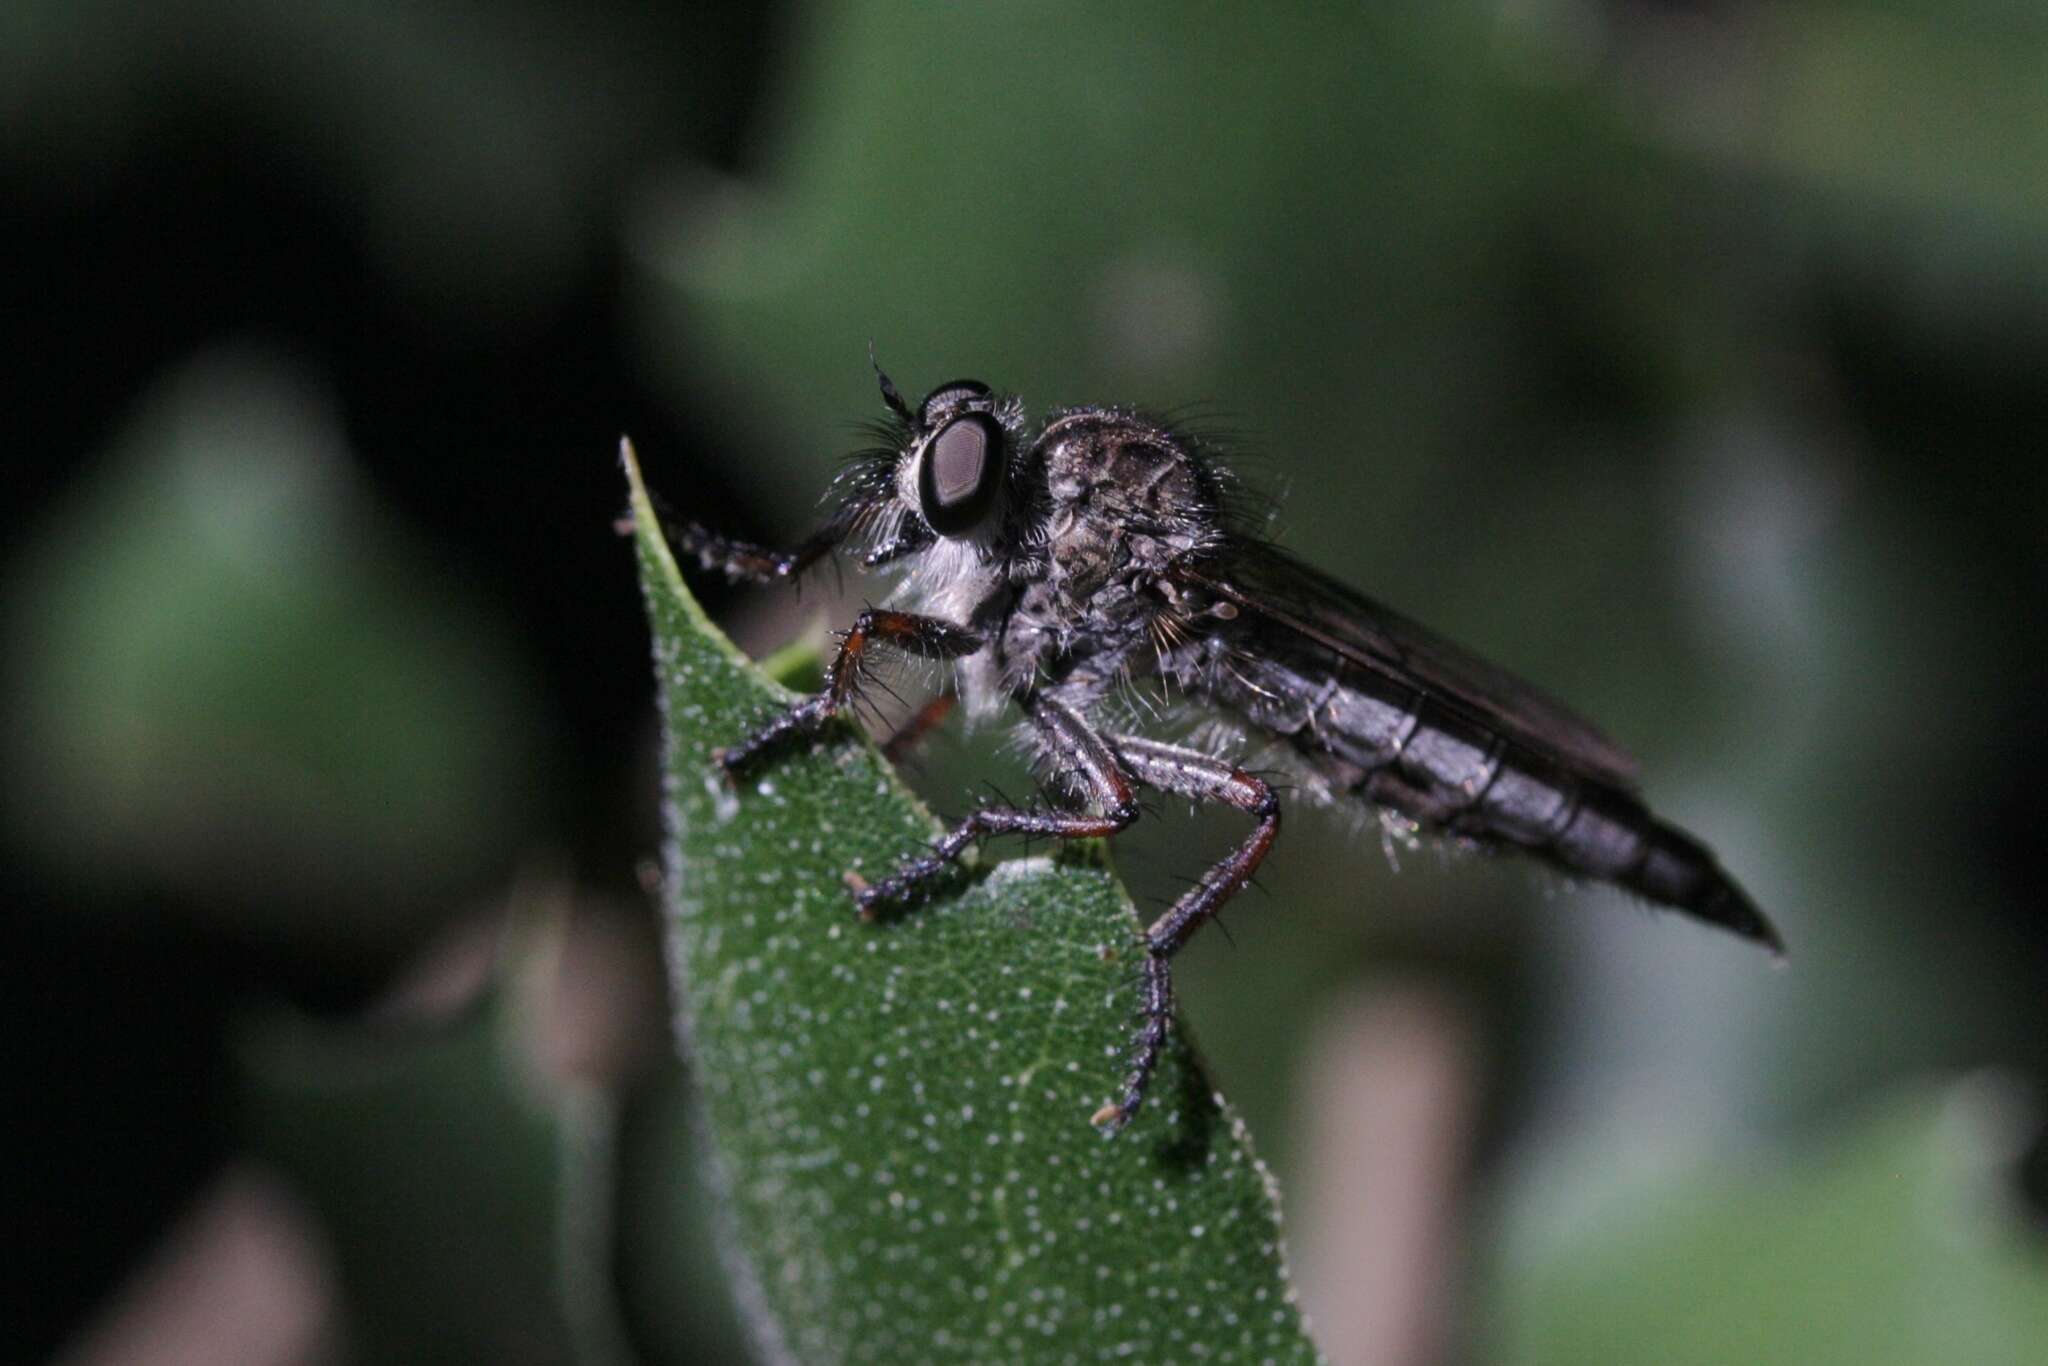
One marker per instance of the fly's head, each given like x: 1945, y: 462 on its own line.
x: 1096, y: 505
x: 944, y: 494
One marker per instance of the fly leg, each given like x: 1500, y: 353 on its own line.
x: 1085, y: 761
x: 743, y: 561
x: 874, y: 628
x: 1188, y: 773
x: 917, y: 725
x: 746, y: 562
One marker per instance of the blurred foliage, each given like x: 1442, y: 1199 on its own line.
x: 484, y: 1202
x: 900, y: 1111
x: 230, y: 674
x: 1900, y: 1244
x: 439, y: 1168
x: 472, y: 149
x: 674, y: 1249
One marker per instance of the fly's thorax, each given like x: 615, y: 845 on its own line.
x: 1124, y: 498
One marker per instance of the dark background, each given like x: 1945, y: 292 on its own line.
x: 1692, y: 359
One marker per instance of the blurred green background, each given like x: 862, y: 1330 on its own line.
x: 1691, y: 359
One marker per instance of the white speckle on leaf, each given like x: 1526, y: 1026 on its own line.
x: 725, y: 803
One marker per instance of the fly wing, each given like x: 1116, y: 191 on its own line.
x: 1280, y: 591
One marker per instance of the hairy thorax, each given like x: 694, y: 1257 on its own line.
x: 1122, y: 502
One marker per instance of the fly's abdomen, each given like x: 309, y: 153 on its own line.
x: 1403, y: 750
x: 1677, y: 870
x: 1407, y: 752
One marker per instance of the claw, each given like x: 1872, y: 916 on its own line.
x: 1109, y: 1120
x: 863, y: 894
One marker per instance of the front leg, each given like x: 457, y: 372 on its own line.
x: 1079, y: 755
x: 928, y: 637
x: 745, y: 562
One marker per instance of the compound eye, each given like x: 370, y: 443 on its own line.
x: 960, y: 472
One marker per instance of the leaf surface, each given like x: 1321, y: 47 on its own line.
x: 899, y: 1111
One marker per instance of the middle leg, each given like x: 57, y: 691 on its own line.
x: 1090, y: 769
x: 917, y: 725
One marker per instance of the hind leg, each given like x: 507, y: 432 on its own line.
x: 1203, y: 777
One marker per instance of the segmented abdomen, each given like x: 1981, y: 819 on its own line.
x: 1401, y: 748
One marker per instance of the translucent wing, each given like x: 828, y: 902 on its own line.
x: 1281, y: 593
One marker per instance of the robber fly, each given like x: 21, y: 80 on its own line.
x: 1058, y: 567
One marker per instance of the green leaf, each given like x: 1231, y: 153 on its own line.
x: 1898, y: 1243
x: 899, y: 1111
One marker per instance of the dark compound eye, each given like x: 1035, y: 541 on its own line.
x: 960, y: 472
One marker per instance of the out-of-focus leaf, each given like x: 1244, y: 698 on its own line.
x: 676, y: 1294
x: 1896, y: 1247
x: 465, y: 149
x: 1129, y: 201
x: 227, y: 677
x: 900, y: 1111
x: 499, y: 1184
x: 438, y: 1169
